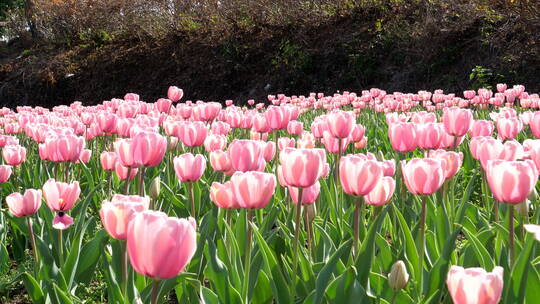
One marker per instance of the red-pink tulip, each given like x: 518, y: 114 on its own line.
x: 358, y: 175
x: 223, y: 196
x: 475, y: 285
x: 423, y: 176
x: 302, y: 167
x: 189, y: 167
x: 511, y: 182
x: 23, y: 205
x: 382, y: 192
x: 173, y: 243
x: 457, y: 121
x: 253, y: 189
x: 174, y: 93
x: 116, y: 214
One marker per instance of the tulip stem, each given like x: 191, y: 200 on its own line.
x: 60, y: 247
x: 247, y: 264
x: 192, y: 198
x: 356, y: 225
x: 155, y: 291
x: 124, y: 268
x: 141, y: 182
x: 422, y: 243
x: 309, y: 232
x: 394, y: 295
x: 296, y: 237
x: 496, y: 211
x: 126, y: 184
x: 34, y: 247
x: 511, y: 231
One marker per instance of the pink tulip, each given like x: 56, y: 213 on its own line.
x: 148, y: 149
x: 535, y: 124
x: 85, y: 156
x: 5, y: 173
x: 246, y: 155
x: 481, y: 128
x: 116, y: 214
x: 475, y: 285
x: 284, y: 142
x: 220, y: 161
x: 453, y: 161
x: 215, y: 142
x: 357, y: 133
x: 253, y: 189
x: 332, y: 144
x: 192, y: 134
x: 295, y: 127
x: 340, y: 123
x: 382, y: 192
x: 220, y: 128
x: 457, y: 121
x: 124, y: 173
x: 309, y: 194
x: 223, y: 196
x: 276, y: 118
x: 163, y: 105
x: 508, y: 128
x: 65, y: 148
x: 14, y: 155
x: 359, y: 176
x: 428, y: 136
x: 302, y: 167
x: 402, y: 136
x: 174, y: 93
x: 269, y: 151
x: 423, y: 176
x: 61, y: 196
x: 173, y: 243
x: 511, y: 182
x: 108, y: 160
x: 189, y: 167
x: 24, y: 205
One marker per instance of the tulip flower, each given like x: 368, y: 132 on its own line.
x: 173, y: 243
x: 457, y: 122
x: 14, y: 155
x: 534, y: 229
x: 475, y: 285
x: 222, y: 195
x: 174, y: 93
x: 382, y: 192
x: 246, y: 155
x: 189, y: 168
x: 402, y: 136
x: 340, y: 124
x: 5, y: 173
x: 481, y: 128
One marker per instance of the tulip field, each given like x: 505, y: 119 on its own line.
x: 368, y: 197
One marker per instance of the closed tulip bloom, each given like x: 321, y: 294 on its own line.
x: 189, y: 167
x: 173, y: 243
x: 163, y: 105
x: 123, y: 150
x: 457, y: 121
x: 192, y: 134
x: 453, y: 161
x: 148, y: 149
x: 382, y: 193
x: 116, y: 214
x: 223, y: 196
x: 5, y: 173
x: 302, y: 167
x: 428, y: 135
x: 359, y: 176
x: 174, y: 93
x: 511, y: 182
x: 357, y: 133
x: 423, y: 176
x: 534, y: 229
x: 535, y: 124
x: 14, y: 155
x: 220, y: 161
x: 508, y: 128
x: 341, y: 123
x: 124, y: 173
x: 246, y: 155
x: 85, y: 156
x: 512, y: 150
x: 220, y: 128
x: 108, y: 160
x: 332, y: 144
x: 481, y: 128
x: 23, y: 205
x: 253, y: 189
x: 275, y: 117
x: 309, y: 194
x: 285, y: 142
x: 215, y: 142
x: 402, y: 136
x: 65, y: 148
x: 295, y: 127
x: 475, y: 285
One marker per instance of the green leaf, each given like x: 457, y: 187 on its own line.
x: 515, y: 291
x: 33, y: 289
x: 325, y: 274
x: 90, y: 254
x: 208, y: 296
x: 411, y: 254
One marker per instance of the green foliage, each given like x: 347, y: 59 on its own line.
x: 292, y: 56
x: 481, y: 77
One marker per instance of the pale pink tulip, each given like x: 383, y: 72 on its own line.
x: 358, y: 175
x: 302, y: 167
x: 116, y: 214
x: 253, y: 190
x: 423, y: 176
x: 223, y: 196
x: 475, y: 285
x: 309, y: 194
x: 189, y: 167
x: 457, y: 121
x: 402, y: 136
x: 24, y: 205
x: 14, y: 155
x: 382, y: 192
x: 5, y: 173
x: 511, y: 182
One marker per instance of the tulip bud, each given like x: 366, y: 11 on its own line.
x: 155, y: 187
x: 380, y: 156
x: 311, y: 212
x: 522, y: 209
x: 398, y: 277
x: 533, y: 196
